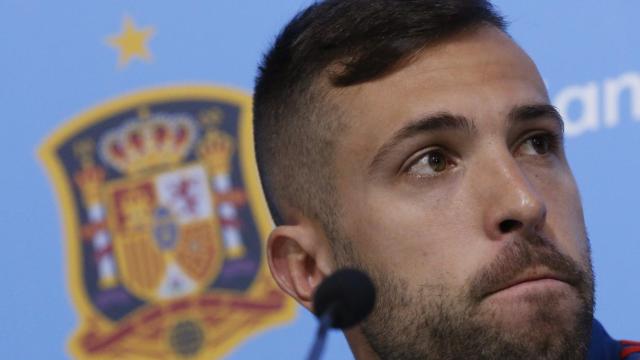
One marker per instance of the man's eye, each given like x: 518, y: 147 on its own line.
x: 430, y: 163
x: 539, y: 144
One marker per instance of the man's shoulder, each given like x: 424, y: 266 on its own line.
x: 630, y: 350
x: 604, y: 347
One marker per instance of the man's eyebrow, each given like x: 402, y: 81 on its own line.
x: 523, y: 113
x: 429, y: 123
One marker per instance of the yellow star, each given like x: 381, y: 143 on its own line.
x: 131, y: 42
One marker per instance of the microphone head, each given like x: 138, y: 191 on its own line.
x: 349, y: 294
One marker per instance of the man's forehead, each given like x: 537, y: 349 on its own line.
x: 435, y: 75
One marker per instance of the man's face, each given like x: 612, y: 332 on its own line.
x: 456, y: 197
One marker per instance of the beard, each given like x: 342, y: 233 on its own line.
x: 436, y: 322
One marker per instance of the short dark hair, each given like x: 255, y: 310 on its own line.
x: 346, y: 42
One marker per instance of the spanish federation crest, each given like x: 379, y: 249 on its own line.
x: 164, y: 219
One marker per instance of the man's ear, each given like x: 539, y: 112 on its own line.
x: 299, y: 258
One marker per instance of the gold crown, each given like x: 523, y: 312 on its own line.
x: 158, y: 141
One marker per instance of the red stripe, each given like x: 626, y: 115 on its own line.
x: 629, y: 342
x: 235, y: 196
x: 241, y: 304
x: 204, y: 302
x: 179, y: 306
x: 629, y: 350
x: 99, y: 254
x: 152, y: 316
x: 232, y: 223
x: 89, y: 230
x: 94, y: 345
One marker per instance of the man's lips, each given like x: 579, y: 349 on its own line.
x: 532, y: 276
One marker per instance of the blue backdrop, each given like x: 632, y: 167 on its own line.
x: 57, y: 61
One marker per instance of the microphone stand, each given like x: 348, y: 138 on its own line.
x: 321, y: 335
x: 341, y: 300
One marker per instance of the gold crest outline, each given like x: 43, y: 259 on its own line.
x: 46, y: 153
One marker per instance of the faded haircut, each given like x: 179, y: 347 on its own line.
x: 334, y: 44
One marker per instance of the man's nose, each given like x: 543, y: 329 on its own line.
x: 512, y: 203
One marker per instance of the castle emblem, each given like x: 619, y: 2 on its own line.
x: 164, y: 219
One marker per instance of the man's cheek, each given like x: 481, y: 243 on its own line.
x: 567, y: 223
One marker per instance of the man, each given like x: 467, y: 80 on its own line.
x: 416, y: 141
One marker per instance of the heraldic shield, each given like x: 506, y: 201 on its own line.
x: 164, y: 220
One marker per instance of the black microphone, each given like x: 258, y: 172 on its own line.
x: 341, y: 301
